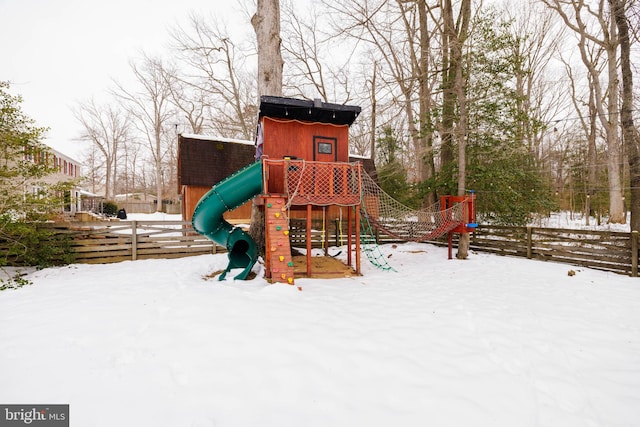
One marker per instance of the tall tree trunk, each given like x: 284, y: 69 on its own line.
x: 592, y: 155
x: 158, y: 165
x: 617, y: 214
x: 374, y: 108
x: 266, y: 24
x: 629, y: 132
x: 455, y: 89
x: 448, y: 92
x: 425, y: 154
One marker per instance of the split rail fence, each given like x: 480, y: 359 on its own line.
x: 115, y: 241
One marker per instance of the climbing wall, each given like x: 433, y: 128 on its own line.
x: 277, y: 249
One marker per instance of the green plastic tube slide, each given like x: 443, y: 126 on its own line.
x: 227, y: 195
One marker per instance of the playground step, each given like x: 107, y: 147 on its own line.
x: 277, y: 249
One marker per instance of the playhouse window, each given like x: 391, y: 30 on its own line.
x: 324, y: 148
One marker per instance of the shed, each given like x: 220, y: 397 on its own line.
x: 203, y: 161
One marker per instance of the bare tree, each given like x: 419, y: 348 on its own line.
x: 595, y: 26
x: 400, y: 34
x: 535, y: 42
x: 589, y: 125
x: 189, y: 100
x: 215, y: 76
x: 629, y: 131
x: 108, y: 128
x: 94, y: 171
x: 149, y: 103
x: 313, y: 66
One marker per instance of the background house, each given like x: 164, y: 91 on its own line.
x: 66, y: 169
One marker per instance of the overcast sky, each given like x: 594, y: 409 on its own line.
x: 57, y: 53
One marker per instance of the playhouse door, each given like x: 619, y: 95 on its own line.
x: 324, y: 149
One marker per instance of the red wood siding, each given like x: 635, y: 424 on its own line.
x: 294, y: 138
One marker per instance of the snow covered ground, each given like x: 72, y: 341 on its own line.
x: 490, y: 341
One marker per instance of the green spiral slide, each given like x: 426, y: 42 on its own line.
x: 227, y: 195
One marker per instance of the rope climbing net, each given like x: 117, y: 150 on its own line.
x: 398, y: 220
x: 371, y: 248
x: 346, y: 184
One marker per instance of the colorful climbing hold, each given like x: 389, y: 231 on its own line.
x: 281, y: 257
x: 286, y: 232
x: 277, y: 214
x: 290, y: 280
x: 278, y: 228
x: 269, y: 205
x: 290, y: 264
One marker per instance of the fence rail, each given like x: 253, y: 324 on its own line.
x: 603, y: 250
x: 114, y: 241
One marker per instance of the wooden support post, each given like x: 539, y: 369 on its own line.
x: 134, y: 240
x: 308, y: 240
x: 634, y: 253
x: 325, y: 227
x: 529, y: 243
x: 450, y: 244
x: 357, y: 209
x: 349, y: 232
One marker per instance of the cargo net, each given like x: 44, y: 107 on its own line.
x: 322, y: 184
x: 392, y: 217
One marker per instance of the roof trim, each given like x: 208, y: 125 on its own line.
x: 216, y: 138
x: 312, y: 111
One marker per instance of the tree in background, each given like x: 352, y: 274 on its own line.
x: 150, y: 105
x: 595, y: 29
x: 502, y: 166
x: 26, y: 198
x: 392, y: 175
x: 629, y: 131
x: 214, y: 90
x: 108, y: 128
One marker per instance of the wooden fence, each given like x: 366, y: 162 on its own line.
x: 114, y: 241
x: 603, y: 250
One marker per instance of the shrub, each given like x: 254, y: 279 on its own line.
x: 28, y: 244
x: 109, y: 208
